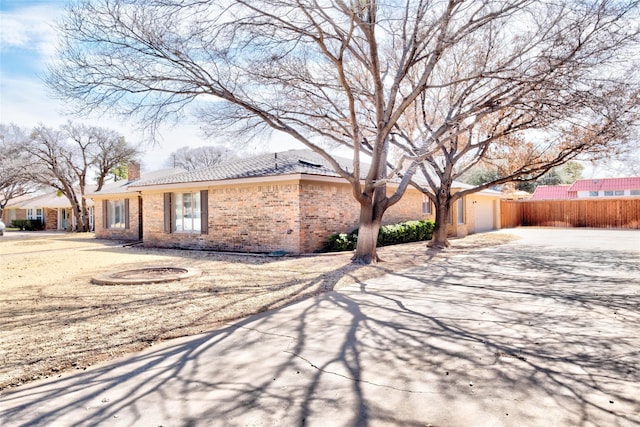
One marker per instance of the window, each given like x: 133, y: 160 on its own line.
x: 608, y: 193
x: 461, y: 211
x: 593, y: 194
x: 635, y: 192
x: 619, y: 192
x: 117, y: 213
x: 35, y: 214
x: 426, y: 205
x: 91, y: 224
x: 186, y: 212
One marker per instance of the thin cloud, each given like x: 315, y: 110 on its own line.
x: 30, y: 28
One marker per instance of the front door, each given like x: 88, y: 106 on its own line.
x: 64, y: 219
x: 139, y: 218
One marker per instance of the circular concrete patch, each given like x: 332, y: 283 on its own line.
x: 146, y: 275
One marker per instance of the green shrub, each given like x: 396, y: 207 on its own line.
x: 27, y: 224
x: 341, y: 242
x: 20, y: 224
x: 405, y: 232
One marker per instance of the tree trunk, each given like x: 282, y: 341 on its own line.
x: 76, y: 210
x: 77, y: 213
x: 439, y: 239
x: 85, y: 216
x: 370, y: 221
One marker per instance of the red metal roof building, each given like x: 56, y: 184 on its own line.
x: 551, y: 192
x: 584, y: 188
x: 603, y: 185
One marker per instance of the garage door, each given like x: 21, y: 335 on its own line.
x: 484, y: 215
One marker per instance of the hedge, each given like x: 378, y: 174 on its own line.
x: 405, y: 232
x: 28, y: 224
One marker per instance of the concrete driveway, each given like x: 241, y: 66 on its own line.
x: 544, y: 331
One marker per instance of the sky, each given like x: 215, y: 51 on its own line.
x: 27, y: 42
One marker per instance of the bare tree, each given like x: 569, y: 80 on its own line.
x: 15, y: 165
x: 66, y: 157
x: 570, y: 123
x: 626, y: 164
x: 349, y: 74
x: 485, y: 172
x: 108, y: 152
x: 515, y: 159
x: 190, y: 158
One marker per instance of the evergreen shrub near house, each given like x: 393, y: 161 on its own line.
x: 28, y: 224
x: 405, y: 232
x: 341, y: 242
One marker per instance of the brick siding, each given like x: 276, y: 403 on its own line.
x: 408, y: 208
x: 294, y: 217
x: 19, y: 214
x: 290, y: 216
x: 50, y: 219
x: 129, y: 234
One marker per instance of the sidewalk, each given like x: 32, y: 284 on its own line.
x: 541, y: 331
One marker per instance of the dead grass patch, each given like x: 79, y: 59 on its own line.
x: 54, y: 319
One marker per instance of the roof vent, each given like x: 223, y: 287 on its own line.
x: 313, y: 165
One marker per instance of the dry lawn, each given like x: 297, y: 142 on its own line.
x: 53, y: 319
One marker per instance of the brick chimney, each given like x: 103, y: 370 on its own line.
x: 133, y: 170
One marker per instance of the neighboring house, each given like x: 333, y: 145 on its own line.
x: 13, y: 212
x: 589, y: 188
x: 278, y: 202
x: 52, y: 209
x: 605, y: 187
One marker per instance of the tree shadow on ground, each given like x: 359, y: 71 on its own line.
x: 503, y: 336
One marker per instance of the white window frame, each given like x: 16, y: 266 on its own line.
x: 38, y: 215
x: 91, y: 213
x: 187, y: 212
x: 461, y: 210
x: 116, y: 214
x: 426, y: 205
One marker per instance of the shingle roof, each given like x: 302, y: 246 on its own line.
x: 551, y: 192
x: 269, y: 165
x: 263, y: 165
x: 120, y: 187
x: 606, y: 184
x: 48, y: 200
x: 460, y: 186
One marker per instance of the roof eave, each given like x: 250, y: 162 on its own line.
x: 238, y: 181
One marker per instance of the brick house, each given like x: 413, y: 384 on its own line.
x: 53, y: 209
x: 277, y: 202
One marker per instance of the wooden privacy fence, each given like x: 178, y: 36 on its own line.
x: 596, y: 213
